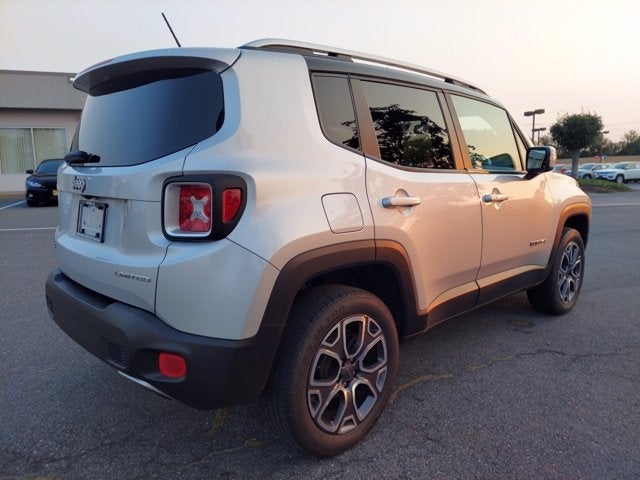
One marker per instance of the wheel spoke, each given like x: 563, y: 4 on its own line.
x: 363, y: 397
x: 350, y: 418
x: 325, y: 369
x: 329, y: 406
x: 333, y: 341
x: 353, y: 334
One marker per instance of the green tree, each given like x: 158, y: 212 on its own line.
x: 607, y: 147
x: 630, y: 143
x: 546, y: 140
x: 630, y: 137
x: 576, y: 132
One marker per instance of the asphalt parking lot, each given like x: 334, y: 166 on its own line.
x: 501, y: 392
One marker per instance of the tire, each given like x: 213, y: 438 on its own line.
x: 559, y: 292
x: 32, y: 203
x: 587, y: 176
x: 619, y: 179
x: 335, y: 369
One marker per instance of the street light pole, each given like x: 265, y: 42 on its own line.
x: 533, y: 113
x: 604, y: 132
x: 542, y: 129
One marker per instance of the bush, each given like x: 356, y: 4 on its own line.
x: 589, y: 185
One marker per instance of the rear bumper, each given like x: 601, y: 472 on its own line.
x: 220, y: 372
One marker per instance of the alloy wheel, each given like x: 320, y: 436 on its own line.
x: 570, y: 272
x: 347, y: 374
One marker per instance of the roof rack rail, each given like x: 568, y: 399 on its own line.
x: 278, y: 44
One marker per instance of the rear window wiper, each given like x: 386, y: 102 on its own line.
x: 80, y: 156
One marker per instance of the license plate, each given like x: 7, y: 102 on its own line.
x: 91, y: 217
x: 55, y: 193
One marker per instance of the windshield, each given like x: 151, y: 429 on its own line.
x: 49, y: 166
x: 587, y: 166
x: 139, y: 123
x: 620, y: 166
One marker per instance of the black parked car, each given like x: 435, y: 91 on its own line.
x: 42, y: 185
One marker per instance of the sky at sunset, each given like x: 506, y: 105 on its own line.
x: 566, y: 56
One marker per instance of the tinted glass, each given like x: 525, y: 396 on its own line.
x: 409, y: 125
x: 335, y: 108
x: 49, y: 166
x: 136, y: 125
x: 488, y: 134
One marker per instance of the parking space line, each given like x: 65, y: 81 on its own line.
x: 26, y: 229
x: 12, y: 205
x: 615, y: 204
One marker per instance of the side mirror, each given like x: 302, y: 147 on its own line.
x: 29, y: 171
x: 541, y: 159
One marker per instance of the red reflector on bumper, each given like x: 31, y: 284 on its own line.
x: 172, y: 365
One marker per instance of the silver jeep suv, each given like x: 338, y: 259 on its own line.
x: 269, y: 221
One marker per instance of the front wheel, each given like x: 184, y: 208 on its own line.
x: 335, y: 371
x: 619, y: 179
x: 559, y: 292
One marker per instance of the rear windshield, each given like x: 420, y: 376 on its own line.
x: 145, y: 122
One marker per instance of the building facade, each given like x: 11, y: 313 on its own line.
x: 39, y: 113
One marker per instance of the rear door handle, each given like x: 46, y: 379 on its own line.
x: 392, y: 202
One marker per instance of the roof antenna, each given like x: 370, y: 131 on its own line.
x: 171, y: 29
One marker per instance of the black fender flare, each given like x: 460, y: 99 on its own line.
x: 302, y: 269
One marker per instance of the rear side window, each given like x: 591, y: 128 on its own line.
x: 139, y: 124
x: 335, y: 109
x: 409, y: 126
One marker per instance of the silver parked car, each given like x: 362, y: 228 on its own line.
x: 621, y: 172
x: 588, y: 170
x: 271, y: 220
x: 562, y: 168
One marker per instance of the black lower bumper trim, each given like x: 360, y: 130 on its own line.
x: 219, y: 372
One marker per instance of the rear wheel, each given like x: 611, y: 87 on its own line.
x: 335, y: 371
x: 559, y: 292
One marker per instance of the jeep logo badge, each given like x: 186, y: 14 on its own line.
x: 79, y: 184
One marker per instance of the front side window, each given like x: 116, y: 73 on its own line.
x: 488, y: 134
x: 335, y: 109
x: 409, y: 126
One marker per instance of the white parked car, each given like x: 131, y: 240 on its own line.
x: 621, y: 172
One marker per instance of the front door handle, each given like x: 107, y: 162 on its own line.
x: 391, y: 202
x: 494, y: 198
